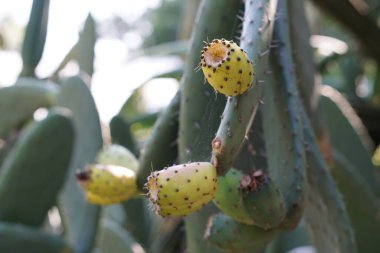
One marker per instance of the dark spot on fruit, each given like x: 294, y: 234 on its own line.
x: 176, y: 190
x: 209, y: 75
x: 235, y: 91
x: 240, y: 71
x: 186, y: 198
x: 238, y: 59
x: 167, y: 179
x: 214, y: 70
x: 250, y: 73
x: 176, y: 171
x: 221, y: 86
x: 238, y: 82
x: 198, y: 189
x: 228, y: 59
x: 206, y: 177
x: 233, y: 50
x: 227, y: 67
x: 225, y: 79
x: 188, y: 180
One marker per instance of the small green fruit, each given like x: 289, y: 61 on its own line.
x: 228, y: 197
x: 182, y: 189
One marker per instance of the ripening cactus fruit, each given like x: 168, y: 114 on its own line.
x: 107, y: 184
x: 182, y: 189
x: 228, y: 197
x: 118, y: 155
x: 227, y: 67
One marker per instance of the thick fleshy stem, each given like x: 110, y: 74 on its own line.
x: 240, y: 110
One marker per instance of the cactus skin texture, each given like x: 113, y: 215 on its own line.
x: 182, y: 189
x: 228, y: 197
x: 263, y: 202
x: 107, y: 184
x: 232, y: 236
x: 118, y: 155
x: 227, y: 67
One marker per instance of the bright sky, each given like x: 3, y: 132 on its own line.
x: 114, y: 77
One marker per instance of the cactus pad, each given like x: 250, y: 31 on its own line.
x: 232, y: 236
x: 107, y: 184
x: 227, y: 67
x: 182, y: 189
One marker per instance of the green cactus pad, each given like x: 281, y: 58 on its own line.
x: 18, y: 102
x: 17, y: 238
x: 228, y: 197
x: 121, y: 134
x: 182, y: 189
x: 232, y: 236
x: 35, y: 170
x: 80, y: 218
x: 240, y: 110
x: 35, y: 37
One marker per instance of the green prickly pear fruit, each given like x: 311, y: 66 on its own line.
x: 263, y: 202
x: 118, y: 155
x: 228, y: 197
x: 227, y: 67
x: 104, y: 183
x: 231, y: 236
x: 182, y: 189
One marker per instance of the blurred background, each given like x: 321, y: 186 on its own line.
x: 138, y: 40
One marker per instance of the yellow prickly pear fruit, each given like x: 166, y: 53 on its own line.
x: 118, y: 155
x: 107, y: 184
x: 227, y: 67
x: 103, y: 200
x: 182, y: 189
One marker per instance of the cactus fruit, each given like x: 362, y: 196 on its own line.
x: 232, y: 236
x: 118, y: 155
x: 107, y: 184
x: 227, y: 67
x: 228, y: 197
x: 262, y: 201
x: 182, y: 189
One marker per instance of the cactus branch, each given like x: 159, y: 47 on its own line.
x: 240, y: 110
